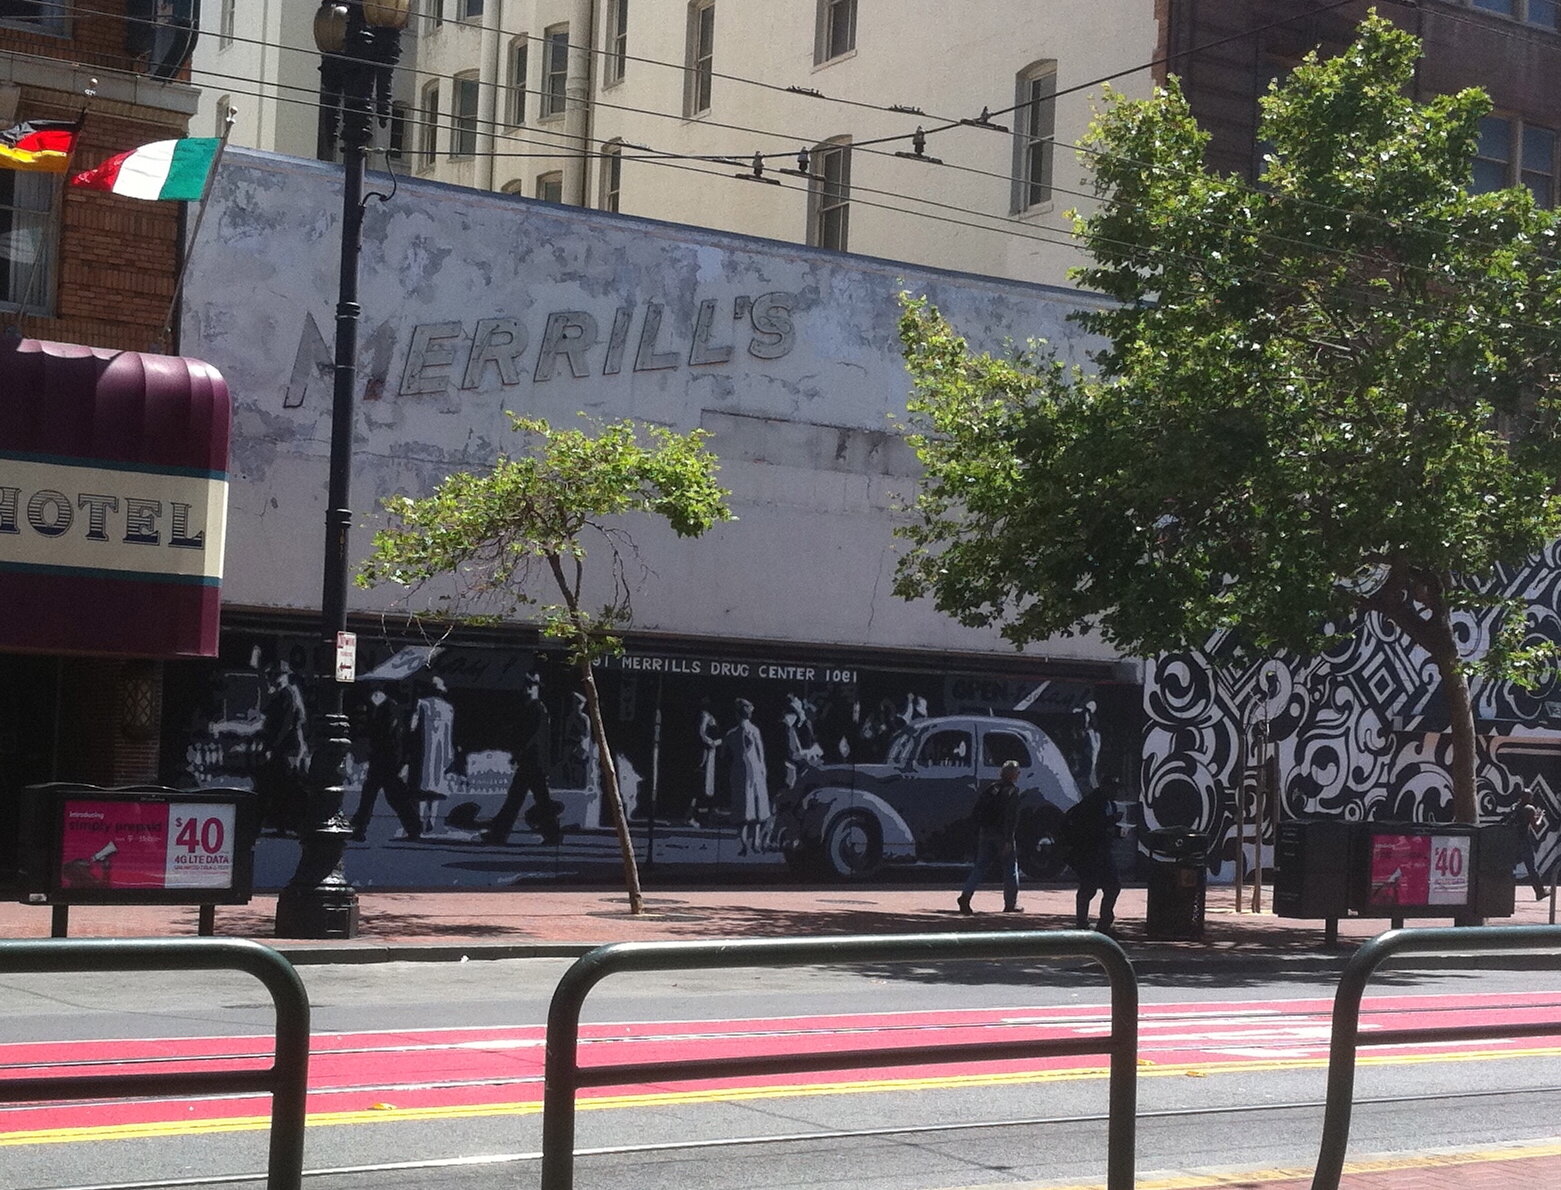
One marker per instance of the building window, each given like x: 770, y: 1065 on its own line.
x: 397, y: 148
x: 513, y: 186
x: 701, y: 56
x: 463, y: 116
x: 1512, y: 153
x: 1035, y: 127
x: 617, y: 40
x: 829, y: 196
x: 550, y: 186
x: 225, y: 23
x: 612, y: 174
x: 469, y: 10
x: 515, y: 109
x: 555, y: 69
x: 224, y: 110
x: 1531, y: 12
x: 37, y: 16
x: 836, y: 29
x: 25, y: 199
x: 428, y: 126
x: 435, y: 11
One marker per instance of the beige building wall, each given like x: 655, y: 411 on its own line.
x: 774, y: 89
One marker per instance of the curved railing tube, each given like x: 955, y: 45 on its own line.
x: 564, y: 1076
x: 286, y: 1080
x: 1346, y: 1018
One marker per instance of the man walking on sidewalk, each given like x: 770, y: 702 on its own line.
x: 996, y: 818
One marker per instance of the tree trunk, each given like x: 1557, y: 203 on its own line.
x: 609, y: 776
x: 1434, y: 634
x: 1460, y: 716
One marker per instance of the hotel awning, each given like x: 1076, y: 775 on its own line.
x: 113, y: 501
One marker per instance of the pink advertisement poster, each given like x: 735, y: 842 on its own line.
x: 1400, y: 870
x: 146, y: 845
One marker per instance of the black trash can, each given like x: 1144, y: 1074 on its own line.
x: 1178, y: 879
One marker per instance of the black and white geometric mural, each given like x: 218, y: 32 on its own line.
x: 1356, y: 733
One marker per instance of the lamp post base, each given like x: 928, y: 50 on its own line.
x: 317, y: 913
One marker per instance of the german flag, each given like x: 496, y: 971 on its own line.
x: 42, y: 145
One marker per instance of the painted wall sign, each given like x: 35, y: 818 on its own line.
x: 576, y: 343
x: 477, y: 304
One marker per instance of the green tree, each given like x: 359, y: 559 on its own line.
x: 1329, y: 395
x: 492, y: 532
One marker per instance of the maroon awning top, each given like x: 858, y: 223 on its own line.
x: 113, y: 482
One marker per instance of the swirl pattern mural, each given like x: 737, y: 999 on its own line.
x: 1357, y: 733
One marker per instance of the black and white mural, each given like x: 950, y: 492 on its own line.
x: 473, y: 762
x: 1358, y: 733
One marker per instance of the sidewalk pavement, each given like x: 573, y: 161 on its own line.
x: 556, y: 920
x: 561, y: 921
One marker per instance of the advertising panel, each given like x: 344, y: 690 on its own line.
x: 1419, y: 870
x: 117, y: 845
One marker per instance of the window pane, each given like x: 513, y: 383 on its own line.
x: 428, y: 134
x: 840, y: 33
x: 1495, y: 138
x: 464, y: 118
x: 550, y: 187
x: 618, y: 60
x: 24, y: 218
x: 1505, y: 7
x: 1542, y: 13
x: 704, y: 58
x: 1488, y: 176
x: 517, y: 83
x: 557, y: 70
x: 1036, y: 121
x: 1539, y: 149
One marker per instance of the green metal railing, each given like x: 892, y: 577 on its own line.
x: 285, y: 1080
x: 1347, y: 1037
x: 564, y: 1076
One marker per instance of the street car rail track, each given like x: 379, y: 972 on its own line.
x: 532, y: 1158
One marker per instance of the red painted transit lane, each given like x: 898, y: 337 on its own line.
x: 451, y: 1068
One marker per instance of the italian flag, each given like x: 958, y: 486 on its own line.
x: 168, y: 169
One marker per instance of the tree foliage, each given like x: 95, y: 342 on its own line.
x: 494, y: 530
x: 1330, y: 394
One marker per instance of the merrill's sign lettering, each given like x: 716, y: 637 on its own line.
x: 639, y: 337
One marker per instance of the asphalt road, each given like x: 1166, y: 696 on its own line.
x: 428, y: 1076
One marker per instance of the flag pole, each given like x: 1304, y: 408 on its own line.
x: 189, y: 245
x: 51, y: 228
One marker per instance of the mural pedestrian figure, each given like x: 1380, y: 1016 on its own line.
x: 579, y: 748
x: 1528, y: 820
x: 1088, y: 830
x: 750, y: 781
x: 284, y: 748
x: 530, y: 755
x: 996, y: 819
x: 709, y: 731
x: 802, y: 752
x: 433, y: 730
x: 387, y: 757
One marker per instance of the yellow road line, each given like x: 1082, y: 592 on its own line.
x: 165, y: 1128
x: 1256, y: 1177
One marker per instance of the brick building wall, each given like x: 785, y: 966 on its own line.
x: 116, y: 258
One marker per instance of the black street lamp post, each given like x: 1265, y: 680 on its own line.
x: 360, y: 41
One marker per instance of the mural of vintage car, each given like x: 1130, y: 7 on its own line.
x: 849, y: 820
